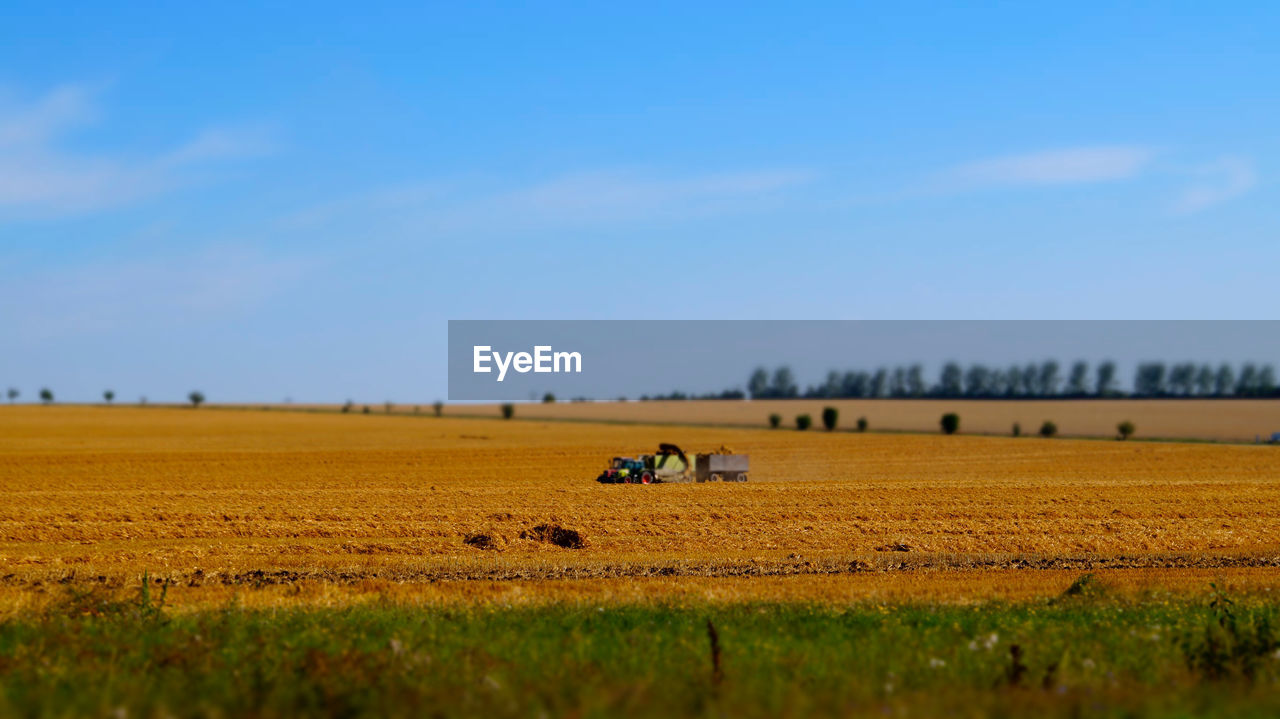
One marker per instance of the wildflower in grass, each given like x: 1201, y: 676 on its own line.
x: 937, y: 663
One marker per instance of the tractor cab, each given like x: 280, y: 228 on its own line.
x: 625, y: 470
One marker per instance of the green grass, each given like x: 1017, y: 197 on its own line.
x: 1078, y: 655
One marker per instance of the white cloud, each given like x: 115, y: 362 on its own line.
x: 40, y: 178
x: 1221, y: 181
x: 616, y: 195
x: 572, y: 200
x: 1067, y: 166
x: 171, y: 291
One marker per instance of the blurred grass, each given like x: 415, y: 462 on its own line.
x: 1081, y: 654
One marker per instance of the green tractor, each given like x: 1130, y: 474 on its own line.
x: 626, y: 470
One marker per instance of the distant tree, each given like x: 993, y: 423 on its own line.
x: 834, y: 386
x: 364, y: 409
x: 1182, y: 378
x: 1030, y: 380
x: 855, y: 384
x: 1078, y: 380
x: 508, y: 410
x: 13, y: 394
x: 977, y: 381
x: 915, y: 381
x: 438, y: 407
x: 346, y: 407
x: 1106, y: 384
x: 830, y: 416
x: 1049, y: 379
x: 898, y: 382
x: 46, y: 395
x: 108, y: 396
x: 1247, y: 383
x: 1048, y: 429
x: 142, y: 401
x: 1149, y: 380
x: 878, y: 383
x: 1125, y: 429
x: 775, y: 420
x: 803, y: 422
x: 950, y: 423
x: 388, y: 406
x: 758, y: 384
x: 862, y: 424
x: 417, y: 409
x: 1204, y: 380
x: 1224, y: 381
x: 1266, y: 380
x: 1017, y: 429
x: 784, y: 383
x: 196, y: 397
x: 998, y: 384
x: 951, y: 381
x: 1013, y: 381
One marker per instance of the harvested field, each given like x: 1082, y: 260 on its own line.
x: 1215, y: 419
x: 239, y: 498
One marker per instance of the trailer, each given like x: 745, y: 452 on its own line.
x: 721, y: 467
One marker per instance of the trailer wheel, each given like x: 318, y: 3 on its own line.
x: 715, y: 478
x: 646, y: 478
x: 742, y: 476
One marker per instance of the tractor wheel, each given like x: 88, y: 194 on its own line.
x: 715, y: 478
x: 742, y: 477
x: 646, y: 478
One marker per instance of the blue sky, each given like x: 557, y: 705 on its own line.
x: 292, y: 202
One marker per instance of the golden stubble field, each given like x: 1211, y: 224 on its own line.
x: 298, y: 503
x: 1235, y: 420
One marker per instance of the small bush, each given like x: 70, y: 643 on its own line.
x: 1085, y: 586
x: 548, y: 398
x: 775, y: 420
x: 197, y: 398
x: 830, y: 416
x: 1230, y: 644
x: 508, y: 410
x: 950, y: 423
x: 364, y: 410
x: 803, y: 422
x: 862, y: 424
x: 1017, y: 429
x: 1126, y: 429
x: 1048, y: 429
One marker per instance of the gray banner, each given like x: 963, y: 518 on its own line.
x: 498, y: 360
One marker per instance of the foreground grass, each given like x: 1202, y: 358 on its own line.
x: 1076, y: 655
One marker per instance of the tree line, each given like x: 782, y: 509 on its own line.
x: 1043, y: 380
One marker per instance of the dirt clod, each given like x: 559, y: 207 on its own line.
x: 557, y: 535
x: 480, y: 540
